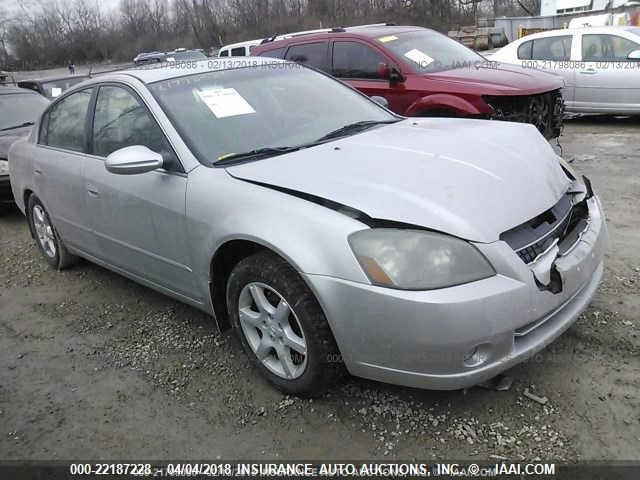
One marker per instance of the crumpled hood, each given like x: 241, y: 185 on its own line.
x: 501, y: 79
x: 471, y: 178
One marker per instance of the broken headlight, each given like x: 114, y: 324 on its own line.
x: 417, y: 260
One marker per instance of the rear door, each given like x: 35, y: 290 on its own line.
x: 608, y: 81
x: 58, y: 168
x: 139, y: 220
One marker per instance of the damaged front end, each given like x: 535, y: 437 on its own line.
x: 553, y: 234
x: 545, y: 111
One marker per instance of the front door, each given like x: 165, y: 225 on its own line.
x: 608, y: 81
x: 139, y: 220
x: 358, y: 65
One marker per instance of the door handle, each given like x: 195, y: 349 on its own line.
x: 589, y: 71
x: 37, y: 171
x: 93, y: 191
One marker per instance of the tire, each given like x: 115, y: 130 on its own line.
x: 277, y: 330
x: 49, y: 242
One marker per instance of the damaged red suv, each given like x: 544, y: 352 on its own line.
x: 421, y: 72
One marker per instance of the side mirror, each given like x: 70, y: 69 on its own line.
x: 395, y: 76
x: 390, y: 73
x: 133, y: 160
x: 380, y: 101
x: 634, y: 55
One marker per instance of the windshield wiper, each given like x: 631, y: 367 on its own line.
x: 274, y: 151
x: 354, y: 127
x: 25, y: 124
x: 257, y: 153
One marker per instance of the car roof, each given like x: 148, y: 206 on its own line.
x: 248, y: 43
x: 165, y: 71
x: 594, y: 30
x: 52, y: 79
x: 373, y: 31
x: 12, y: 90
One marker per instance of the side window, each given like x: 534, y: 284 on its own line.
x: 524, y: 50
x: 552, y: 48
x: 355, y: 60
x: 275, y: 53
x: 238, y: 52
x: 224, y: 53
x: 607, y: 48
x: 313, y: 54
x: 66, y: 122
x: 120, y: 121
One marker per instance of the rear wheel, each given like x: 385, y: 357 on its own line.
x: 281, y: 326
x: 47, y: 239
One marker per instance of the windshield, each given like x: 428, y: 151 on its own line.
x: 19, y: 108
x: 57, y: 87
x: 227, y: 112
x: 429, y: 51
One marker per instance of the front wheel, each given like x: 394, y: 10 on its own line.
x: 281, y: 326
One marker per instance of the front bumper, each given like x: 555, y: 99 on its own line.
x: 424, y: 338
x: 6, y: 195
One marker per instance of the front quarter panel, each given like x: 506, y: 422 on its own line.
x: 311, y: 237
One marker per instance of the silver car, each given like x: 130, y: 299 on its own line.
x: 600, y: 65
x: 329, y: 233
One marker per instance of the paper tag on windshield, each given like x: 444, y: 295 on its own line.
x: 419, y: 57
x: 56, y: 91
x: 225, y: 102
x: 388, y: 38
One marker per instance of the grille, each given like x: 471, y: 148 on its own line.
x: 529, y: 253
x: 535, y: 236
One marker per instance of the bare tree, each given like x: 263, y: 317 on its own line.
x: 57, y: 31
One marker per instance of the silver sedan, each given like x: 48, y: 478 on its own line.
x: 329, y: 233
x: 600, y: 65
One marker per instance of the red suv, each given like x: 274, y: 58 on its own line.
x: 421, y: 72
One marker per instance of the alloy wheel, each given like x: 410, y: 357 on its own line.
x: 44, y: 231
x: 272, y: 330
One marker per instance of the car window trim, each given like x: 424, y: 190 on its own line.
x: 144, y: 105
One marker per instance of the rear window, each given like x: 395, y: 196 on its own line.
x: 67, y: 120
x: 552, y: 48
x: 524, y: 50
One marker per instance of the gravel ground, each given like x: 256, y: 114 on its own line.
x: 94, y: 366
